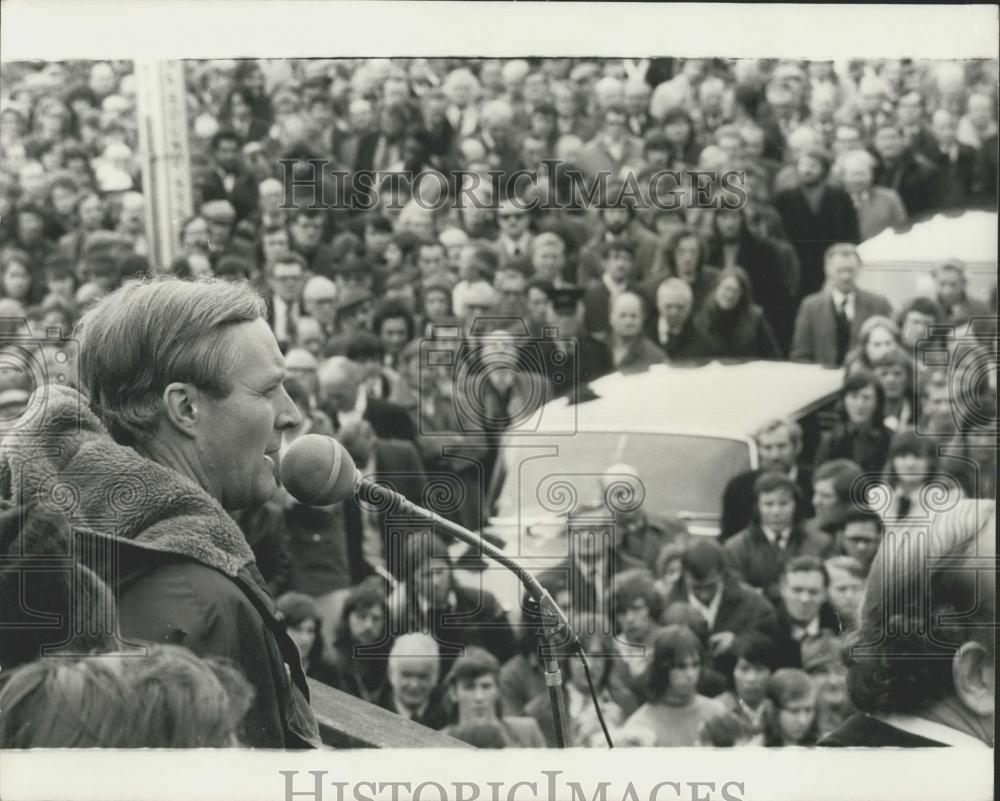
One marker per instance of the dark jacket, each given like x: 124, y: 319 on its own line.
x: 815, y: 338
x: 864, y: 731
x: 738, y: 499
x: 759, y: 563
x: 597, y: 305
x: 788, y: 650
x: 957, y: 181
x: 914, y: 178
x: 687, y: 345
x: 868, y: 448
x: 744, y: 336
x: 243, y: 197
x: 436, y: 716
x: 812, y: 233
x: 182, y: 568
x: 644, y: 243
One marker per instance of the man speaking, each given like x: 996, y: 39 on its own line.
x: 184, y: 408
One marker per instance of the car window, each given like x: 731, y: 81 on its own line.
x: 680, y: 473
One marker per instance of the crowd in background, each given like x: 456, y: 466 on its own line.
x: 695, y: 641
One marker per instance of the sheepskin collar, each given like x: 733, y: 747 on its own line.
x: 68, y: 462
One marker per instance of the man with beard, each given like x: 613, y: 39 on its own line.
x: 779, y: 443
x: 816, y: 215
x: 618, y: 224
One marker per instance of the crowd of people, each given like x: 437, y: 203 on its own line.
x: 738, y: 640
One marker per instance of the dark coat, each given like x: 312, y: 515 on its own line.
x: 597, y: 305
x: 788, y: 651
x: 738, y: 500
x: 815, y: 338
x: 752, y: 556
x: 750, y: 337
x: 688, y: 345
x: 834, y: 221
x: 864, y: 731
x: 914, y: 178
x: 957, y: 181
x: 243, y: 197
x: 436, y: 716
x: 183, y: 571
x: 868, y: 448
x: 645, y: 245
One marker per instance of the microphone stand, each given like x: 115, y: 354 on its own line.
x: 554, y: 620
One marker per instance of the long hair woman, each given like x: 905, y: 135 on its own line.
x: 861, y: 434
x: 733, y: 324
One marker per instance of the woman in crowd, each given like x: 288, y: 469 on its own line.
x: 822, y: 659
x: 727, y: 730
x: 362, y: 640
x: 638, y: 606
x: 877, y: 336
x: 733, y: 324
x: 755, y: 657
x: 303, y: 619
x: 675, y: 712
x: 790, y: 715
x: 913, y: 487
x: 894, y: 370
x: 668, y: 568
x: 16, y: 279
x: 861, y: 435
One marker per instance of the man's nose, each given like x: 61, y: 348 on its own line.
x: 288, y: 415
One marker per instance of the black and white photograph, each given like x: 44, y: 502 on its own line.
x: 611, y: 386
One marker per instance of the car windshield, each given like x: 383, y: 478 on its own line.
x: 681, y: 473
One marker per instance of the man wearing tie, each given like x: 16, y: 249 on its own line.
x: 956, y: 164
x: 828, y: 320
x: 803, y: 613
x: 285, y: 278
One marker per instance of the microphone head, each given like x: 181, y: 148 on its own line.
x: 317, y: 470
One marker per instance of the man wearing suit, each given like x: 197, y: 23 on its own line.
x: 954, y: 305
x: 226, y: 179
x: 943, y: 693
x: 956, y: 163
x: 514, y: 242
x: 672, y: 328
x: 618, y: 224
x: 285, y: 279
x: 803, y: 615
x: 902, y: 169
x: 815, y: 216
x: 343, y: 402
x: 828, y: 321
x: 373, y: 543
x: 617, y: 271
x: 779, y: 443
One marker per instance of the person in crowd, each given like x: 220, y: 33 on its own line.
x: 343, y: 401
x: 685, y: 257
x: 759, y: 552
x: 754, y: 660
x: 877, y: 207
x: 829, y: 321
x: 790, y: 716
x: 590, y: 358
x: 861, y: 435
x: 815, y: 216
x: 618, y: 224
x: 614, y: 150
x: 732, y: 324
x: 362, y: 640
x: 617, y: 276
x: 430, y: 600
x: 803, y: 613
x: 779, y: 443
x: 943, y: 693
x: 631, y: 350
x: 285, y: 279
x: 726, y: 730
x: 915, y: 486
x: 675, y: 331
x: 638, y: 606
x: 833, y: 482
x: 730, y: 608
x: 734, y: 244
x: 303, y: 618
x: 474, y: 691
x: 412, y: 689
x: 165, y: 698
x: 675, y: 711
x: 897, y: 375
x: 877, y: 336
x: 954, y: 305
x: 845, y: 584
x: 957, y: 182
x: 904, y: 169
x: 189, y: 400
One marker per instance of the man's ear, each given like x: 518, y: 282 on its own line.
x: 180, y: 402
x: 972, y: 671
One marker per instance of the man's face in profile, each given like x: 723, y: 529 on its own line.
x: 237, y: 436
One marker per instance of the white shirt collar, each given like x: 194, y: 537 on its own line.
x: 708, y: 612
x: 811, y: 629
x: 932, y: 730
x: 775, y: 537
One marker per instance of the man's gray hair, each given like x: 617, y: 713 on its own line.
x: 675, y: 286
x: 412, y: 647
x: 149, y: 334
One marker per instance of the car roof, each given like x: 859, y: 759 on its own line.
x: 715, y: 399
